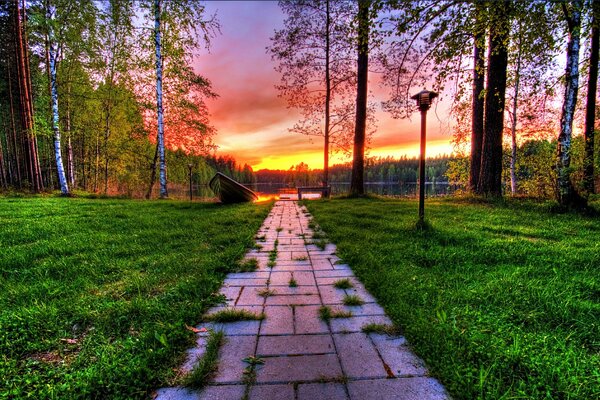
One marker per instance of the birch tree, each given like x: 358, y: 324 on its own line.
x: 159, y: 104
x: 566, y: 194
x: 53, y: 55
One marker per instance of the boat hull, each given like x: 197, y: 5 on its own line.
x: 230, y: 191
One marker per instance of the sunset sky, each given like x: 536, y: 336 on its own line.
x: 253, y: 122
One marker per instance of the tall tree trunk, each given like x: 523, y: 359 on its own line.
x: 159, y: 103
x: 327, y: 95
x: 490, y: 177
x: 513, y: 130
x: 358, y: 161
x: 478, y: 100
x: 106, y: 135
x: 26, y: 101
x: 33, y: 142
x: 152, y: 173
x: 62, y: 179
x: 590, y: 110
x: 566, y: 194
x: 70, y: 164
x: 15, y: 144
x: 97, y: 162
x: 3, y: 181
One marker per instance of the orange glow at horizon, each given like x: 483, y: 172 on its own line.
x: 314, y: 159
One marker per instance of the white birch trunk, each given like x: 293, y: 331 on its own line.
x: 565, y: 188
x: 159, y: 103
x: 62, y: 179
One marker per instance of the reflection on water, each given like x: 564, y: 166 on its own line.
x: 406, y: 189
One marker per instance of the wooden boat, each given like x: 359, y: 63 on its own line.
x: 231, y: 191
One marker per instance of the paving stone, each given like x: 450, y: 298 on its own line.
x: 256, y: 274
x: 298, y: 290
x: 355, y: 324
x: 282, y: 278
x: 293, y: 248
x: 272, y: 392
x: 246, y: 282
x: 398, y: 357
x: 229, y: 392
x: 322, y: 391
x: 397, y: 389
x: 321, y: 265
x: 231, y: 293
x: 358, y: 355
x: 293, y: 266
x: 299, y: 368
x: 176, y: 393
x: 279, y: 320
x: 295, y: 345
x: 307, y: 320
x: 284, y: 255
x: 333, y: 273
x: 250, y: 296
x: 293, y: 300
x: 366, y: 309
x: 331, y: 295
x: 238, y: 328
x: 231, y: 366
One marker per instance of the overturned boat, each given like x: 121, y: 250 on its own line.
x: 231, y: 191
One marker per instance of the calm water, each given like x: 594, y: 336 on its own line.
x: 407, y: 189
x: 381, y: 188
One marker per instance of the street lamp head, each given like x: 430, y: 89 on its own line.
x: 190, y: 166
x: 424, y: 99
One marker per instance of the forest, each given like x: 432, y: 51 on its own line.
x: 103, y: 97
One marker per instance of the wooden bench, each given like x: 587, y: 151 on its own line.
x: 324, y: 190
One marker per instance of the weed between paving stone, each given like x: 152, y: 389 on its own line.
x: 249, y: 378
x: 266, y: 292
x: 249, y: 265
x: 343, y: 284
x: 384, y: 329
x: 233, y: 314
x: 273, y: 255
x: 207, y: 365
x: 326, y: 313
x: 292, y: 282
x: 321, y: 244
x: 336, y: 379
x: 353, y: 300
x: 279, y: 229
x: 262, y: 238
x: 301, y: 258
x: 257, y: 246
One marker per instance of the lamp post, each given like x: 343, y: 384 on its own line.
x: 190, y: 176
x: 424, y: 99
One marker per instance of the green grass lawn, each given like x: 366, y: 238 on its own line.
x: 95, y: 295
x: 501, y: 300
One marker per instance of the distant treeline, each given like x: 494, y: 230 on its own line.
x: 377, y: 169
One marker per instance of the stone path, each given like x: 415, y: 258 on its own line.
x: 305, y: 357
